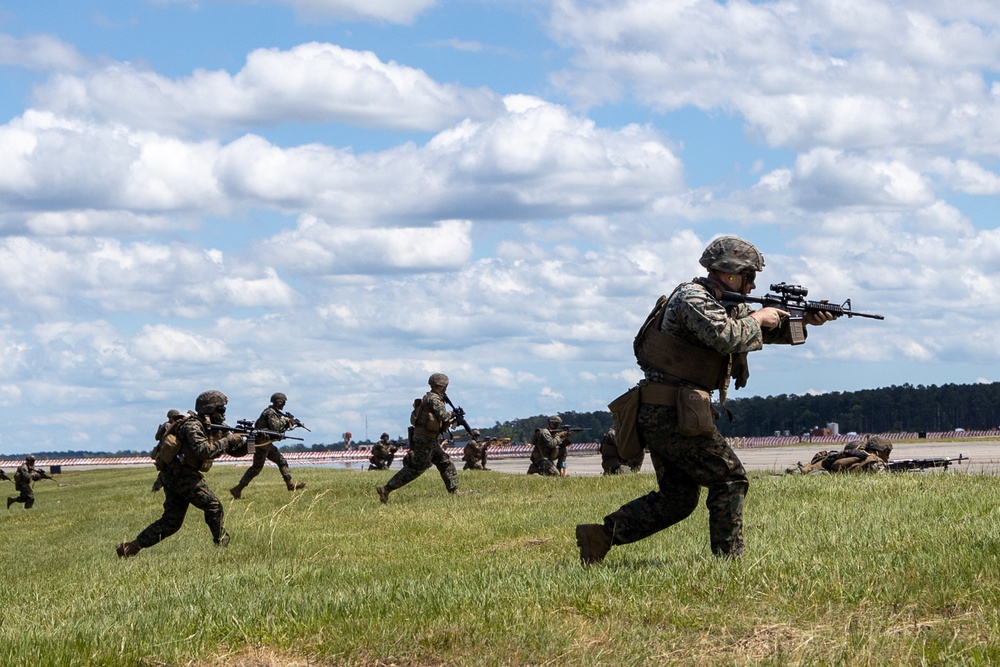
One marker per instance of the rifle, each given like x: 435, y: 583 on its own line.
x: 792, y: 298
x: 905, y: 465
x: 295, y: 421
x: 573, y: 429
x: 458, y: 415
x: 4, y: 477
x: 246, y: 427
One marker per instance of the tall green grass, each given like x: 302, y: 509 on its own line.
x: 858, y: 570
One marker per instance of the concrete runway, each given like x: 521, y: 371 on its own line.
x: 983, y: 455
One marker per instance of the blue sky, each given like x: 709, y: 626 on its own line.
x: 336, y: 198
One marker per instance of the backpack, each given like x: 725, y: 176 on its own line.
x: 168, y: 446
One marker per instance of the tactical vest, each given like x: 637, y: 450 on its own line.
x: 665, y: 353
x: 425, y: 421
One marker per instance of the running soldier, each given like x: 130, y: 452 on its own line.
x: 430, y: 418
x: 689, y: 347
x: 271, y: 419
x: 181, y: 468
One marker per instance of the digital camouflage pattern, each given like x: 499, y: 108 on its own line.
x: 426, y: 449
x: 869, y: 454
x: 611, y: 461
x: 271, y: 419
x: 382, y: 455
x: 23, y: 477
x: 546, y: 452
x: 732, y: 255
x: 683, y: 465
x: 425, y: 453
x: 474, y: 454
x: 184, y: 485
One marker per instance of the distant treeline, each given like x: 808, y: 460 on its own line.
x: 906, y: 408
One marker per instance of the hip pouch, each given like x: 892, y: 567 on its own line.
x: 625, y: 415
x: 694, y: 412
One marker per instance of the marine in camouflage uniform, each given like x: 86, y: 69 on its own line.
x: 548, y: 454
x: 611, y: 461
x: 430, y: 418
x: 183, y: 482
x: 383, y: 454
x: 474, y: 453
x: 699, y: 344
x: 869, y: 454
x: 271, y: 419
x: 25, y: 474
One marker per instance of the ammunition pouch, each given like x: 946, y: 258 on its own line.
x: 694, y: 412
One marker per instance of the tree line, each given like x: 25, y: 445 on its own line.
x: 895, y: 409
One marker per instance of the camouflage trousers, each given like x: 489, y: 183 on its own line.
x: 260, y: 456
x: 26, y: 495
x: 683, y: 465
x: 425, y: 453
x: 182, y: 487
x: 543, y: 466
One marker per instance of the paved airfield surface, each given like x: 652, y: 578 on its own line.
x: 983, y: 455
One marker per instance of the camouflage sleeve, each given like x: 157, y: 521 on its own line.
x: 270, y: 420
x: 439, y: 408
x: 192, y: 434
x: 693, y: 312
x: 551, y: 441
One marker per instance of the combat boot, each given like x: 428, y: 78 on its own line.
x: 10, y: 501
x: 383, y: 494
x: 292, y: 486
x: 594, y: 542
x: 237, y: 491
x: 128, y: 549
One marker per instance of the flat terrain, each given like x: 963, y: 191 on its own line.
x: 983, y: 455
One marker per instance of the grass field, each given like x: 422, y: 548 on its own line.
x: 873, y: 570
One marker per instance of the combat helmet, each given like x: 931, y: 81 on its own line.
x: 209, y: 401
x: 438, y: 380
x: 731, y: 254
x: 30, y: 458
x: 555, y: 419
x: 877, y: 444
x: 278, y: 396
